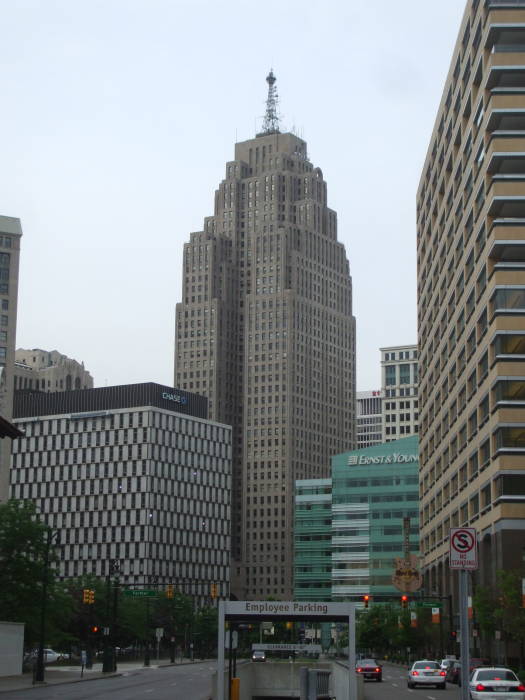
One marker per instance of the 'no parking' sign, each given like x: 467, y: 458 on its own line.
x: 463, y: 548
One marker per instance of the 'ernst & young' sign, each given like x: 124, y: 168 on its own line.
x: 177, y: 398
x: 394, y: 458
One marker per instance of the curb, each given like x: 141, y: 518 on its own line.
x: 31, y: 686
x: 62, y: 682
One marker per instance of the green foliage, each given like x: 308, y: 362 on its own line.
x: 483, y: 603
x: 205, y: 631
x: 23, y: 546
x: 508, y: 610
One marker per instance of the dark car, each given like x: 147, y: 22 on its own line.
x: 369, y: 668
x: 258, y: 655
x: 453, y: 672
x: 475, y: 662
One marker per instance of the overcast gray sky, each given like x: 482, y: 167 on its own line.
x: 118, y: 116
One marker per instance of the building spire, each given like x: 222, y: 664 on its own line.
x: 271, y: 118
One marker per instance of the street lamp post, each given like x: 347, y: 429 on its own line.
x: 153, y: 580
x: 108, y: 661
x: 51, y: 538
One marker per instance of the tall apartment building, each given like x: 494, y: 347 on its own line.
x: 10, y: 235
x: 369, y: 418
x: 265, y: 331
x: 399, y: 381
x: 49, y: 370
x: 133, y: 473
x: 471, y: 298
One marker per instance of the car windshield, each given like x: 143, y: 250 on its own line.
x: 496, y: 675
x: 367, y: 662
x: 426, y: 664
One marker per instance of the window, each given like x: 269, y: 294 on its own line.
x: 510, y: 438
x: 390, y: 375
x: 510, y: 391
x: 510, y: 485
x: 509, y: 344
x: 508, y: 299
x: 404, y: 374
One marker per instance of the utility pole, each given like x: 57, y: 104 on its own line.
x: 39, y: 674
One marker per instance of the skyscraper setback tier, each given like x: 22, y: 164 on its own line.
x: 265, y: 331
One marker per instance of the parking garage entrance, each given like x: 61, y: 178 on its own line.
x: 295, y: 611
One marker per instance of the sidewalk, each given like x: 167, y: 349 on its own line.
x: 71, y: 674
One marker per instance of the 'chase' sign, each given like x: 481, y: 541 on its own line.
x: 394, y: 458
x: 176, y: 398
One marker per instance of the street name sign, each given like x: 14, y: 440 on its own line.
x: 463, y: 548
x: 139, y: 593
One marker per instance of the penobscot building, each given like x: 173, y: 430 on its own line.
x: 265, y: 330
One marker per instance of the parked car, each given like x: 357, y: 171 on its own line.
x: 50, y: 656
x: 475, y: 662
x: 369, y: 668
x: 453, y: 671
x: 447, y: 663
x: 258, y: 655
x: 501, y: 681
x: 426, y: 673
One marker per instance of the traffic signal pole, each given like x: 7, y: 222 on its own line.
x: 464, y: 633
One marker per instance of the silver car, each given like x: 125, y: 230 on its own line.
x: 426, y: 673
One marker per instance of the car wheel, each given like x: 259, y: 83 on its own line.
x: 410, y: 685
x: 442, y: 686
x: 379, y: 679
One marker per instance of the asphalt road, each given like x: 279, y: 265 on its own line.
x: 188, y: 682
x: 394, y: 687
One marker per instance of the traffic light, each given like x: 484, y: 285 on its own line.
x: 88, y: 596
x: 213, y: 590
x: 366, y: 599
x: 289, y: 625
x: 404, y: 601
x: 170, y: 591
x: 94, y: 629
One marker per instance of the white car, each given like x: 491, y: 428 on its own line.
x: 491, y: 682
x: 50, y: 656
x: 427, y: 673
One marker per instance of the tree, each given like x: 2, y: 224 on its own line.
x: 23, y: 545
x: 509, y: 609
x: 205, y: 631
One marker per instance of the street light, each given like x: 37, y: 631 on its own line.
x: 109, y: 663
x: 51, y: 539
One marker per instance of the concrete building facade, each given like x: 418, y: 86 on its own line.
x: 10, y: 235
x: 49, y: 371
x: 265, y: 330
x: 369, y: 418
x: 399, y: 382
x: 471, y: 299
x: 350, y: 529
x: 133, y: 473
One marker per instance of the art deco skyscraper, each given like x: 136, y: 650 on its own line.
x: 265, y: 331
